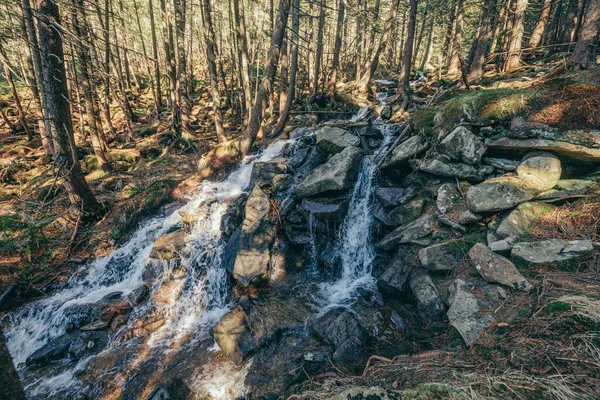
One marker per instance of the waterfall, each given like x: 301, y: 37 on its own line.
x: 198, y: 309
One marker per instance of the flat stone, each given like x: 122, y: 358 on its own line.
x: 389, y: 197
x: 468, y: 217
x: 264, y: 171
x: 501, y: 247
x: 407, y: 233
x: 339, y: 173
x: 574, y: 152
x: 327, y: 208
x: 521, y: 129
x: 499, y: 194
x: 569, y: 188
x: 551, y: 251
x: 406, y: 150
x: 462, y: 146
x: 404, y: 214
x: 334, y: 140
x: 442, y: 256
x: 494, y: 268
x: 502, y: 163
x: 451, y: 169
x: 522, y: 219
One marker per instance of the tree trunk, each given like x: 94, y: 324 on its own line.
x: 404, y: 78
x: 336, y: 50
x: 106, y: 64
x: 482, y: 44
x: 540, y: 27
x: 13, y: 90
x: 454, y: 65
x: 55, y: 86
x: 267, y: 80
x: 447, y: 48
x: 294, y: 37
x: 502, y: 15
x: 243, y: 49
x: 513, y: 59
x: 584, y: 54
x: 427, y: 55
x: 209, y: 37
x: 319, y: 52
x: 83, y: 55
x: 569, y: 25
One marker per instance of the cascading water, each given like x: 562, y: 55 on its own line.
x: 357, y: 253
x: 201, y: 304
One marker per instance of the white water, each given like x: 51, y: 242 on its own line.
x: 357, y: 251
x: 200, y: 306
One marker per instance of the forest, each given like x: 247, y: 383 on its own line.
x: 303, y: 199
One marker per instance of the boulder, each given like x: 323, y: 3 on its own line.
x: 406, y: 150
x: 404, y: 214
x: 442, y: 256
x: 264, y: 171
x: 257, y: 235
x: 389, y: 197
x: 462, y: 146
x: 521, y: 129
x: 540, y: 170
x: 299, y: 156
x: 522, y: 219
x: 494, y: 268
x: 339, y: 173
x: 393, y: 282
x: 574, y: 152
x: 407, y: 233
x: 455, y: 170
x: 55, y: 349
x: 85, y: 344
x: 169, y: 246
x: 334, y: 140
x: 281, y: 182
x: 168, y: 292
x: 234, y: 336
x: 551, y: 251
x: 568, y: 188
x: 425, y: 292
x: 448, y: 197
x: 499, y: 194
x: 347, y: 336
x: 502, y: 163
x: 472, y: 307
x: 327, y: 208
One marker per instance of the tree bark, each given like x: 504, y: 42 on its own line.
x: 404, y: 78
x: 55, y: 86
x: 540, y: 27
x: 584, y: 54
x: 267, y: 80
x: 513, y: 59
x: 336, y: 50
x: 13, y: 90
x: 319, y: 52
x: 569, y: 25
x: 454, y: 65
x: 482, y: 44
x: 243, y: 49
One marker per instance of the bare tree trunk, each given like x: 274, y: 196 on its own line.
x: 514, y: 56
x: 106, y: 102
x: 569, y: 25
x: 502, y: 15
x: 155, y: 96
x: 583, y: 4
x: 158, y: 93
x: 482, y: 43
x: 447, y: 48
x: 319, y: 52
x: 404, y: 78
x: 427, y: 55
x: 336, y: 50
x: 267, y: 80
x: 13, y: 90
x: 584, y: 54
x: 283, y: 75
x: 454, y: 65
x: 243, y: 46
x: 540, y: 27
x: 55, y: 86
x: 209, y: 37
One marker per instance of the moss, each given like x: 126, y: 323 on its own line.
x: 424, y: 120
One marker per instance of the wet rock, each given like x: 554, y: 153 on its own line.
x: 456, y: 170
x: 81, y: 314
x: 168, y: 247
x: 393, y: 282
x: 234, y: 335
x: 502, y: 163
x: 146, y: 325
x: 521, y: 129
x: 540, y: 170
x: 389, y: 197
x: 256, y: 237
x: 407, y: 233
x: 234, y: 216
x: 472, y: 306
x: 574, y: 152
x: 55, y: 349
x: 448, y: 197
x: 522, y: 219
x: 327, y: 208
x: 551, y: 251
x: 347, y: 336
x: 299, y: 157
x: 442, y: 256
x: 404, y: 214
x: 174, y: 390
x: 406, y: 150
x: 425, y: 292
x: 168, y: 292
x: 230, y: 250
x: 140, y: 294
x: 334, y: 140
x: 494, y: 268
x: 313, y: 159
x: 86, y: 344
x: 568, y: 188
x: 265, y: 171
x: 462, y: 146
x: 339, y: 173
x: 286, y: 206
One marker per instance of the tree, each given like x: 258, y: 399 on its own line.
x: 336, y: 50
x: 9, y: 78
x: 584, y: 54
x: 482, y: 42
x: 404, y: 78
x: 454, y: 65
x: 513, y: 60
x: 540, y: 27
x: 55, y: 87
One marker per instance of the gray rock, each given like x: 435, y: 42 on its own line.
x: 551, y: 251
x: 234, y: 335
x: 522, y: 219
x: 442, y: 256
x: 339, y: 173
x: 257, y: 235
x: 501, y: 246
x: 264, y: 171
x: 429, y: 302
x: 393, y: 282
x: 347, y: 336
x: 494, y: 268
x: 230, y: 250
x: 407, y: 233
x: 499, y: 194
x: 281, y: 182
x: 468, y: 217
x: 367, y: 393
x: 472, y: 311
x: 169, y: 246
x: 286, y: 206
x: 334, y: 140
x: 521, y: 129
x: 571, y: 151
x: 327, y: 208
x: 86, y: 344
x: 55, y: 349
x: 463, y: 146
x: 406, y: 150
x: 298, y: 158
x: 448, y: 197
x: 445, y: 220
x: 502, y: 163
x: 567, y: 188
x: 540, y: 170
x: 456, y: 170
x: 404, y: 214
x: 300, y: 132
x: 389, y: 197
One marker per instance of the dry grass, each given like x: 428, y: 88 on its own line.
x: 571, y: 221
